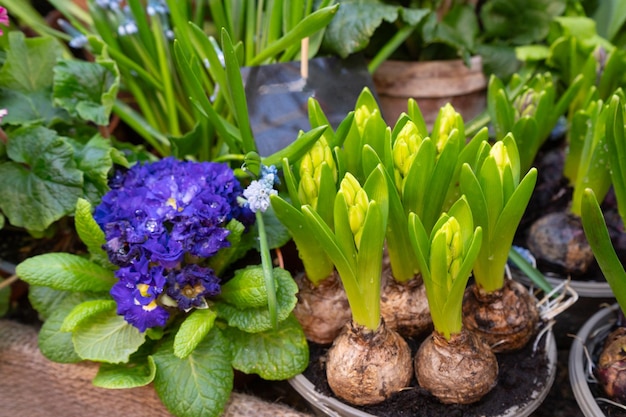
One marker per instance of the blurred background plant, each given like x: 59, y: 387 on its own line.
x: 179, y: 61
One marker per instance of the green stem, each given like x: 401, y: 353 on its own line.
x: 389, y: 48
x: 266, y: 261
x: 533, y: 273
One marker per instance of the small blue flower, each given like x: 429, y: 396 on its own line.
x: 259, y: 191
x: 78, y: 38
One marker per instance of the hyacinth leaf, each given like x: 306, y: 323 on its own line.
x: 86, y: 89
x: 67, y: 272
x: 616, y: 142
x: 525, y: 130
x: 415, y: 114
x: 275, y: 354
x: 138, y: 372
x: 106, y: 337
x: 600, y: 241
x: 296, y: 149
x: 84, y: 311
x: 53, y: 343
x: 192, y: 331
x: 257, y: 319
x: 42, y: 176
x: 316, y: 263
x: 198, y: 385
x: 418, y: 177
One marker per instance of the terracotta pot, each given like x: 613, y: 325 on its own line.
x: 432, y: 84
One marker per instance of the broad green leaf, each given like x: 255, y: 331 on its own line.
x: 67, y: 272
x: 28, y: 63
x: 55, y: 344
x: 200, y: 384
x: 107, y: 337
x: 191, y: 332
x: 30, y: 108
x: 84, y: 89
x: 84, y: 311
x: 137, y: 373
x: 246, y: 289
x: 257, y: 319
x: 43, y: 177
x: 275, y: 354
x: 95, y: 159
x: 45, y: 300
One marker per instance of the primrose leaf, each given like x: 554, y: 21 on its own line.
x: 45, y: 300
x: 138, y: 372
x: 29, y: 108
x: 55, y: 344
x: 257, y: 319
x: 246, y: 289
x: 67, y: 272
x: 275, y: 354
x: 42, y: 183
x: 191, y: 332
x: 89, y: 232
x: 106, y: 337
x: 84, y: 311
x: 200, y: 384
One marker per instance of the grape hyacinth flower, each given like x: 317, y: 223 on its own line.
x: 259, y: 191
x: 160, y: 221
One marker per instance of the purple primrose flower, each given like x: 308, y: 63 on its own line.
x: 156, y: 218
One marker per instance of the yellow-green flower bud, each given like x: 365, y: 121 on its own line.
x: 361, y: 116
x: 501, y: 156
x: 357, y: 202
x: 449, y: 120
x: 454, y: 253
x: 405, y: 148
x: 310, y: 171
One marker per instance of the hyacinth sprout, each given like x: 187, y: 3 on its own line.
x: 161, y: 221
x: 446, y: 258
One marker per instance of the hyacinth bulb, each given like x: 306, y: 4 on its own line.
x: 460, y: 370
x: 611, y: 370
x: 367, y: 367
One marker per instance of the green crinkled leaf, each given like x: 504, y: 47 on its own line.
x: 89, y: 232
x: 67, y: 272
x: 29, y: 108
x: 246, y: 289
x: 95, y: 159
x: 45, y: 300
x: 200, y: 384
x: 191, y: 332
x: 354, y: 24
x: 28, y: 62
x: 84, y: 89
x: 257, y: 319
x: 84, y: 311
x: 137, y: 373
x: 55, y: 344
x: 107, y: 337
x: 275, y: 354
x: 42, y: 183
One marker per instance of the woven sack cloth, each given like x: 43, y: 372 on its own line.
x: 33, y: 386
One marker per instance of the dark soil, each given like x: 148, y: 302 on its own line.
x: 520, y: 373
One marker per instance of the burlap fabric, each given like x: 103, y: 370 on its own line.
x: 33, y: 386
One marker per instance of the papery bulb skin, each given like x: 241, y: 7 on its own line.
x: 505, y: 319
x: 558, y: 239
x: 366, y: 367
x: 611, y: 370
x: 404, y: 306
x: 461, y: 370
x: 322, y: 310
